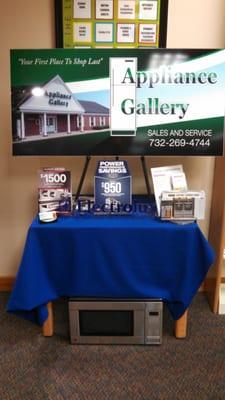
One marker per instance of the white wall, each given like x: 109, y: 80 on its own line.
x: 30, y: 24
x: 196, y: 23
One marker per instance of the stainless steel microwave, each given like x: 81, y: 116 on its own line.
x: 115, y: 321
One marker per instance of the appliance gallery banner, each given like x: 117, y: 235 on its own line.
x: 118, y: 101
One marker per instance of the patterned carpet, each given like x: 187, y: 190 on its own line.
x: 33, y: 367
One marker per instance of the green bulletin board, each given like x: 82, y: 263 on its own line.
x: 111, y: 23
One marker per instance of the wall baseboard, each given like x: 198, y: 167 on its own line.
x: 6, y: 283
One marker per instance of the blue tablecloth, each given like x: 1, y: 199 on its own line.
x: 132, y: 256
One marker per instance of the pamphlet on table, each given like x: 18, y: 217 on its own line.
x: 54, y: 191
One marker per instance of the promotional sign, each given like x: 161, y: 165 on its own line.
x: 111, y: 23
x: 54, y: 190
x: 113, y: 186
x: 118, y: 102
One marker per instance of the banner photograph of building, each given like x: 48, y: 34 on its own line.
x: 54, y: 110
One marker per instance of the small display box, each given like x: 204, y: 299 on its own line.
x: 187, y: 205
x: 113, y: 185
x: 115, y: 321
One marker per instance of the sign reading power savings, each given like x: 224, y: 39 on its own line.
x: 112, y: 186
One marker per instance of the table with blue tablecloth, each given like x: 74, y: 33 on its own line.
x: 134, y: 256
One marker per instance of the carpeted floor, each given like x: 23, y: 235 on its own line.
x: 33, y: 367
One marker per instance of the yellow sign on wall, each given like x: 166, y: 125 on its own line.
x: 111, y: 23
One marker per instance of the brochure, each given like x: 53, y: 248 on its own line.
x: 165, y: 179
x: 54, y: 190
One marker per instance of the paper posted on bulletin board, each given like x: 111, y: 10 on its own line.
x: 111, y: 23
